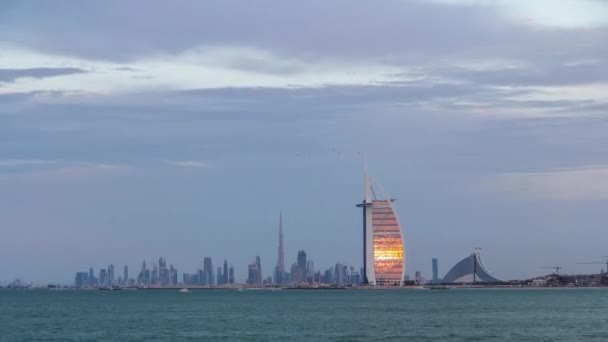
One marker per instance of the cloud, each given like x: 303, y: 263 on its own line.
x: 200, y: 68
x: 580, y: 183
x: 63, y: 171
x: 548, y: 13
x: 9, y: 75
x: 514, y: 73
x: 190, y: 163
x: 457, y: 55
x: 22, y: 162
x: 363, y: 29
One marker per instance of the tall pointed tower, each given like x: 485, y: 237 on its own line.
x: 280, y: 276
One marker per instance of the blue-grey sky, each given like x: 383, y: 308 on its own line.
x: 139, y: 129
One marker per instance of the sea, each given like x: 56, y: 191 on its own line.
x: 305, y: 315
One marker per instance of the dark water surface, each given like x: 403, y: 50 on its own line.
x: 300, y: 315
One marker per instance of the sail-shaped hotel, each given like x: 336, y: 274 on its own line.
x: 383, y: 248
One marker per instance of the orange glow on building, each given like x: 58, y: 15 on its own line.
x: 387, y: 244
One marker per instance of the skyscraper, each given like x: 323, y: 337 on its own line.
x: 383, y: 251
x: 103, y: 277
x: 301, y: 265
x: 208, y: 272
x: 110, y: 275
x: 163, y: 272
x: 225, y: 274
x: 141, y: 278
x: 435, y: 271
x: 254, y: 272
x: 125, y: 275
x: 259, y: 265
x: 231, y: 275
x: 219, y: 276
x: 339, y: 276
x: 310, y: 270
x: 201, y: 277
x: 91, y: 277
x: 279, y: 276
x: 172, y: 275
x: 154, y: 280
x: 81, y: 279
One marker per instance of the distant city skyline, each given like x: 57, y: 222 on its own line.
x: 302, y: 272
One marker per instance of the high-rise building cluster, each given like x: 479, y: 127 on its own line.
x: 105, y: 278
x: 254, y: 274
x: 207, y: 277
x: 302, y: 273
x: 158, y: 276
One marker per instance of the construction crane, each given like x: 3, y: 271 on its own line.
x: 556, y: 268
x: 596, y: 263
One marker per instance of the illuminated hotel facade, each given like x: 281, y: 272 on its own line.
x: 383, y: 248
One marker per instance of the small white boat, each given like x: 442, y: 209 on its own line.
x: 184, y: 290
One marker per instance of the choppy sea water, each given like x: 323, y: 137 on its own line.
x: 305, y: 315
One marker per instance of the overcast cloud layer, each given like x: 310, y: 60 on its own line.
x: 131, y: 130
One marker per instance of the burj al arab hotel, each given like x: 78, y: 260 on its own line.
x: 383, y: 248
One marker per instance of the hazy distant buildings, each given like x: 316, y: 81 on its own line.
x: 125, y: 275
x: 163, y: 272
x: 144, y: 278
x: 231, y: 275
x: 81, y: 279
x: 103, y: 277
x: 220, y: 276
x: 258, y: 262
x: 208, y: 276
x: 254, y: 274
x: 190, y: 279
x: 310, y: 271
x: 154, y: 276
x: 225, y: 274
x: 355, y: 278
x: 172, y: 275
x: 383, y: 252
x: 110, y: 281
x: 92, y: 280
x: 339, y: 276
x: 435, y: 271
x: 298, y: 273
x: 140, y: 276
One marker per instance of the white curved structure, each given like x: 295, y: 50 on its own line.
x: 383, y: 248
x: 470, y: 270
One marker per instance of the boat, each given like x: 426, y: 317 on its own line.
x: 185, y: 290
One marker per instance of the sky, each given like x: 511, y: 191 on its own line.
x: 131, y: 130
